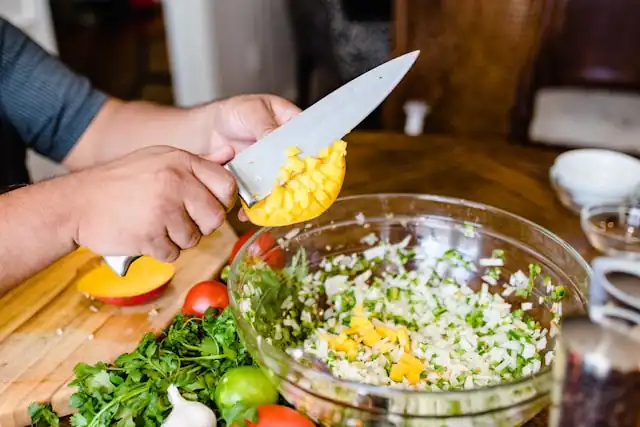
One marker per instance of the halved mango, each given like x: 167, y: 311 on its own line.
x: 306, y: 188
x: 146, y: 279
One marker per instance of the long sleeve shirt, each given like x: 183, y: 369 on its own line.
x: 42, y: 102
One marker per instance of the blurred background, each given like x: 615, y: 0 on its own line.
x: 559, y: 72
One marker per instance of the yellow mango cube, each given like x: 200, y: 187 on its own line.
x: 306, y: 181
x: 396, y: 373
x: 284, y: 175
x: 403, y: 339
x: 371, y: 338
x: 294, y: 185
x: 384, y: 347
x: 275, y: 200
x: 311, y: 163
x: 330, y: 186
x: 387, y: 332
x: 294, y: 165
x: 302, y: 197
x: 335, y: 158
x: 339, y: 145
x: 359, y: 322
x: 352, y: 353
x: 324, y: 153
x: 288, y: 202
x: 322, y: 197
x: 318, y: 178
x: 411, y: 362
x: 413, y: 377
x: 331, y: 171
x: 292, y: 151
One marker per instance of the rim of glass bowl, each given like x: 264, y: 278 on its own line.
x: 589, y: 210
x: 284, y: 358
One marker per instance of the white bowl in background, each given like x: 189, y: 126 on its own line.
x: 593, y: 176
x: 596, y: 172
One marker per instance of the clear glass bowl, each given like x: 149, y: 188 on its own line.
x: 334, y: 402
x: 613, y: 229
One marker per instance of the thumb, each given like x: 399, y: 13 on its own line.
x: 260, y: 121
x: 263, y: 127
x: 221, y: 155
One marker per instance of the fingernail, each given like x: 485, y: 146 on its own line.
x: 233, y: 203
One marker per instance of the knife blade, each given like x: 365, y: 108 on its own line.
x: 256, y: 168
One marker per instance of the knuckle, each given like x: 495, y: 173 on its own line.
x: 169, y: 181
x: 165, y: 254
x: 180, y: 157
x: 215, y: 221
x: 162, y: 249
x: 192, y: 239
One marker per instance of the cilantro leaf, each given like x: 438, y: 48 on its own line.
x: 239, y: 414
x: 42, y: 415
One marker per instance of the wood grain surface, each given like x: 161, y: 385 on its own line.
x: 47, y: 326
x: 491, y: 171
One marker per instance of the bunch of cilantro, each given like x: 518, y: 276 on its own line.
x: 191, y: 353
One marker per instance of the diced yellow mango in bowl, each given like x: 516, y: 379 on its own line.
x: 305, y: 188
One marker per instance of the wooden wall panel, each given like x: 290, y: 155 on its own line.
x: 473, y: 53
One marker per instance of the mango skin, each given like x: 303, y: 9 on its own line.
x: 306, y: 188
x: 145, y: 281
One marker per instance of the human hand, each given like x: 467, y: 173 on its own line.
x: 153, y: 202
x: 240, y: 121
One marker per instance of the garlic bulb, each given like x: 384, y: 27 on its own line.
x: 186, y: 413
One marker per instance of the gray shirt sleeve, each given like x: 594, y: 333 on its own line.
x: 48, y: 105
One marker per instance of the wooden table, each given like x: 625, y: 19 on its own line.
x: 495, y: 172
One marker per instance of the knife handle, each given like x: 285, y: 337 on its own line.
x: 120, y: 264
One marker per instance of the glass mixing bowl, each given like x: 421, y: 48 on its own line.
x: 473, y: 229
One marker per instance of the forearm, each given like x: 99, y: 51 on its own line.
x: 37, y: 228
x: 122, y: 127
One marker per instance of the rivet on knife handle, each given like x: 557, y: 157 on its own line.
x: 120, y: 264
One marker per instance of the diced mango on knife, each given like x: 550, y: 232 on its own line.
x: 305, y: 189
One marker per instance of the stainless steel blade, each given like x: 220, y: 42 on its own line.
x: 256, y: 168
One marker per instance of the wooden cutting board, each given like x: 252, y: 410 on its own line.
x: 47, y: 326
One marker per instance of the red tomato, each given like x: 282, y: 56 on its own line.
x: 280, y: 416
x: 204, y: 295
x: 265, y: 247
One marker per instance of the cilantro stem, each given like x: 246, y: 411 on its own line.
x: 119, y: 399
x: 190, y: 347
x: 214, y: 357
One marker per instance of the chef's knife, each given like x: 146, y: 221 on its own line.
x: 256, y: 168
